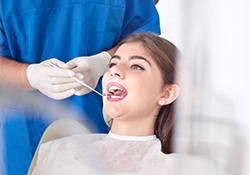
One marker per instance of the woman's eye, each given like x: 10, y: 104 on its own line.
x: 137, y: 67
x: 111, y: 65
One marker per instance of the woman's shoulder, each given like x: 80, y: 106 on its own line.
x: 73, y: 140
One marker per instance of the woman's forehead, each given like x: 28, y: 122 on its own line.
x: 136, y: 48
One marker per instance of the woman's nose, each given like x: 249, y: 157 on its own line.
x: 118, y: 71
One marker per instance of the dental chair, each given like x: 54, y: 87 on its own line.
x: 60, y: 128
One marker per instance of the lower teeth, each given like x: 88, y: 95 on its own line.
x: 114, y: 96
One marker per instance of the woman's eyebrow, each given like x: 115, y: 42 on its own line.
x: 115, y: 57
x: 140, y: 58
x: 131, y: 58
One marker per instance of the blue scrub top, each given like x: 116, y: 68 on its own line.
x: 32, y: 31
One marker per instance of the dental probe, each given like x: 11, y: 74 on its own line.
x: 53, y: 64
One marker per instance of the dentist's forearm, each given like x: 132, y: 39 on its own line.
x: 13, y: 74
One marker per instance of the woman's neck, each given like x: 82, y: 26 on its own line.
x: 133, y: 128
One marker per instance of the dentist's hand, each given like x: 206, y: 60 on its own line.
x: 52, y: 82
x: 91, y: 67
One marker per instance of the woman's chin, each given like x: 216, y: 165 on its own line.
x: 109, y: 108
x: 113, y: 113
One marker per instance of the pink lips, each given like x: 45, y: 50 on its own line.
x: 117, y: 96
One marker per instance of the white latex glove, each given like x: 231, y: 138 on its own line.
x: 91, y: 67
x: 51, y: 81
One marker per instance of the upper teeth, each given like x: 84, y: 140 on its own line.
x: 112, y: 89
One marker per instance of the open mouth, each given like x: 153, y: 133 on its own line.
x: 116, y: 91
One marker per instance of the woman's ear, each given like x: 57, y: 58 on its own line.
x: 170, y: 93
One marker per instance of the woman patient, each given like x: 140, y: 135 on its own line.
x: 140, y: 89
